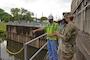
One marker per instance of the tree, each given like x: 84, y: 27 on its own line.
x: 6, y: 17
x: 29, y: 16
x: 43, y: 18
x: 15, y: 12
x: 26, y: 15
x: 1, y: 13
x: 21, y: 14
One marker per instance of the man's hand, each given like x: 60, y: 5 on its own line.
x: 49, y: 35
x: 39, y: 29
x: 52, y: 35
x: 58, y: 34
x: 34, y: 31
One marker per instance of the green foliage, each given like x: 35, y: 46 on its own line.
x: 43, y: 18
x: 15, y: 11
x: 26, y: 15
x: 17, y: 14
x: 3, y: 34
x: 2, y: 26
x: 21, y: 14
x: 1, y: 13
x: 3, y: 31
x: 6, y: 17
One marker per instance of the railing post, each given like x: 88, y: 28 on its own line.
x: 25, y: 45
x: 38, y: 51
x: 25, y: 52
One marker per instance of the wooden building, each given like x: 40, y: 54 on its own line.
x: 21, y: 31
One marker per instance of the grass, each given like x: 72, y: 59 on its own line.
x: 3, y: 30
x: 2, y: 26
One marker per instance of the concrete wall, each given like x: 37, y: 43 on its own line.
x: 82, y: 12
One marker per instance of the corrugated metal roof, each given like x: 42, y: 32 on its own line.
x: 27, y: 23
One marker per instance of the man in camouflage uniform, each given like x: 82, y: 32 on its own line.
x: 68, y: 39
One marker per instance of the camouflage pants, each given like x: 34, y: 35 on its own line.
x: 66, y: 56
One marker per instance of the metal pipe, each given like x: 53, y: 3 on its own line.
x: 77, y: 6
x: 84, y: 21
x: 0, y: 50
x: 25, y: 52
x: 83, y: 8
x: 38, y: 51
x: 25, y: 45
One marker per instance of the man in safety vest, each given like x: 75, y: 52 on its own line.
x: 51, y: 30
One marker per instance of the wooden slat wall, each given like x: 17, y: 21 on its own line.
x: 24, y: 34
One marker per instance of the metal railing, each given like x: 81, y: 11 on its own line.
x: 25, y: 47
x: 38, y: 51
x: 0, y: 48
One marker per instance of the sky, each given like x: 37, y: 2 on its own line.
x: 39, y: 7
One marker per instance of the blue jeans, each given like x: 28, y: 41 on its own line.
x: 52, y: 50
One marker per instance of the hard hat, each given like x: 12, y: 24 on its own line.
x: 50, y: 17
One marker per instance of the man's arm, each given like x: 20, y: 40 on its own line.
x: 51, y: 35
x: 39, y: 29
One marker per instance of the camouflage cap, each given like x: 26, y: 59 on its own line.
x: 66, y: 14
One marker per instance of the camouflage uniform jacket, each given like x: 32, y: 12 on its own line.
x: 68, y: 38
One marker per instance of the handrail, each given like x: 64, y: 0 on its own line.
x: 0, y: 49
x: 38, y: 51
x: 34, y: 39
x: 83, y: 8
x: 25, y: 45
